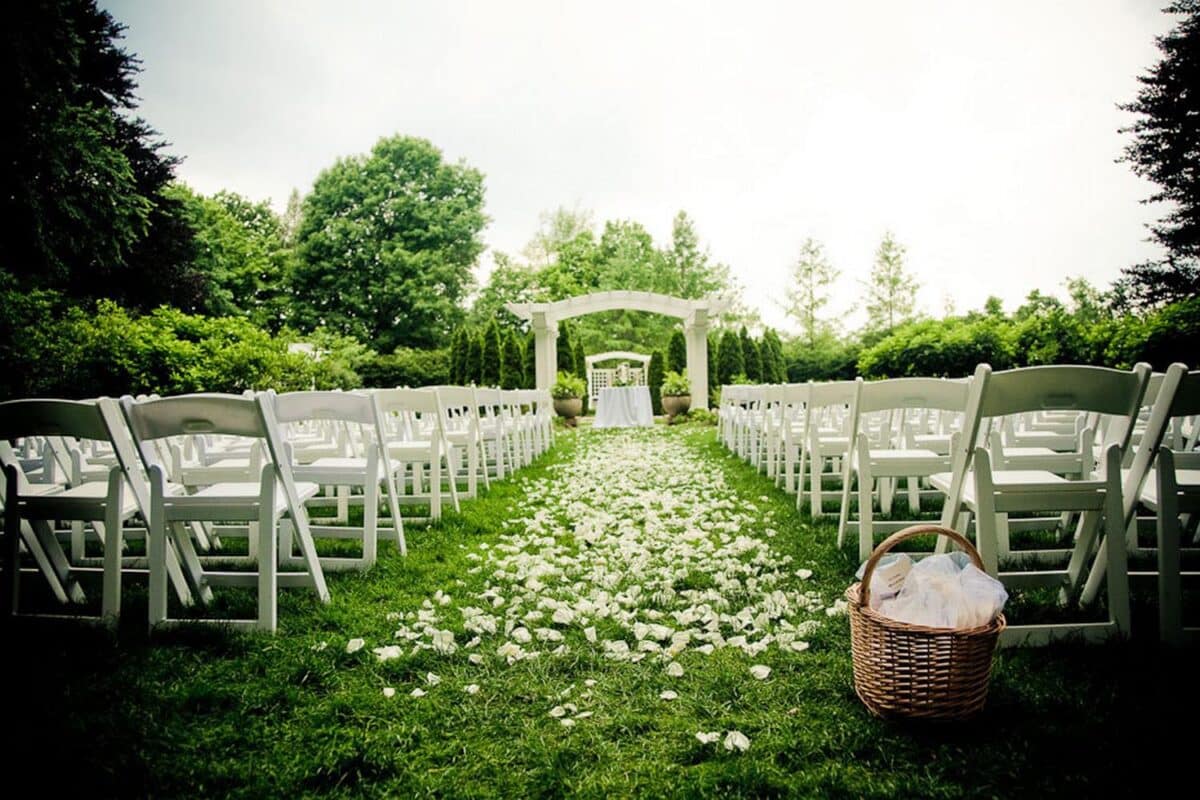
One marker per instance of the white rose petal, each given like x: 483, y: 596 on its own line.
x: 418, y: 692
x: 475, y: 659
x: 708, y: 738
x: 388, y: 691
x: 736, y: 740
x: 354, y: 645
x: 431, y: 679
x: 387, y: 653
x: 675, y: 669
x: 667, y: 694
x: 471, y: 688
x: 760, y: 671
x: 557, y: 711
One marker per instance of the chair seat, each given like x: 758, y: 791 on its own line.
x: 222, y: 493
x: 70, y: 502
x: 410, y: 450
x: 1017, y: 480
x: 1187, y: 479
x: 902, y: 455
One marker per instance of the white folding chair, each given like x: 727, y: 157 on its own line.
x: 414, y: 424
x: 975, y: 488
x: 463, y: 433
x: 30, y: 510
x: 890, y: 457
x: 827, y: 438
x: 264, y: 505
x: 367, y: 468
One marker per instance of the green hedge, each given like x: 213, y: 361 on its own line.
x: 52, y: 349
x: 408, y: 367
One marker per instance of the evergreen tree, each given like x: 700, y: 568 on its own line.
x: 566, y: 349
x: 474, y: 363
x: 754, y: 362
x: 891, y: 291
x: 511, y: 366
x: 529, y: 362
x: 492, y: 355
x: 1166, y: 150
x: 730, y: 359
x: 677, y: 352
x: 774, y: 368
x: 747, y: 343
x: 808, y: 292
x: 580, y: 360
x: 655, y: 380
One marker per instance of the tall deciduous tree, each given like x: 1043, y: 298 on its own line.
x: 555, y: 229
x: 81, y: 178
x: 387, y: 243
x: 1166, y: 149
x: 808, y: 292
x: 891, y: 290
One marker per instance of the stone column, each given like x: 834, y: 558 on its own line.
x: 695, y: 330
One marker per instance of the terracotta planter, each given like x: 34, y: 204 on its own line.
x: 676, y: 404
x: 570, y: 407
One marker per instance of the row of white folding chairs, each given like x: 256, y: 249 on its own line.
x: 270, y: 504
x: 1091, y: 410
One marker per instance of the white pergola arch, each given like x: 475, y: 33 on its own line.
x: 544, y: 319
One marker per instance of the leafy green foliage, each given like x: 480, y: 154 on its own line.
x: 676, y: 384
x: 239, y: 248
x: 568, y: 386
x: 387, y: 243
x: 408, y: 367
x: 56, y: 349
x: 81, y: 177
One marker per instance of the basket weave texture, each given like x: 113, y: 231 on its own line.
x: 906, y: 671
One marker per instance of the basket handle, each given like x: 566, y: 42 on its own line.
x: 864, y: 593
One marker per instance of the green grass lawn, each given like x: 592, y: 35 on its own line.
x: 203, y: 713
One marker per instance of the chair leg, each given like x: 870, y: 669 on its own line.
x: 110, y: 603
x: 156, y: 549
x: 866, y: 517
x: 1170, y: 585
x: 371, y: 512
x: 12, y: 543
x: 268, y: 556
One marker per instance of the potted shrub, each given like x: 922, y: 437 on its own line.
x: 568, y: 396
x: 676, y: 394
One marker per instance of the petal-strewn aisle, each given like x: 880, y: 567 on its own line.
x: 636, y: 547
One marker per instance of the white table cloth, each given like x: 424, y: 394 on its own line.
x: 624, y: 407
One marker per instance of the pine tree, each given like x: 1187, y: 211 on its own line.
x: 655, y: 380
x: 1166, y: 150
x: 677, y: 352
x: 811, y: 277
x: 746, y: 343
x: 891, y: 291
x: 713, y: 347
x: 730, y: 360
x: 580, y: 360
x: 774, y: 369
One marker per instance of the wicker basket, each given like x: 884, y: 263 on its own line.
x: 911, y: 671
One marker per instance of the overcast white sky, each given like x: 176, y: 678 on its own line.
x: 983, y: 135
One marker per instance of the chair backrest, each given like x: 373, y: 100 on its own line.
x: 337, y: 406
x: 81, y: 419
x: 939, y: 393
x: 228, y: 414
x: 1098, y: 390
